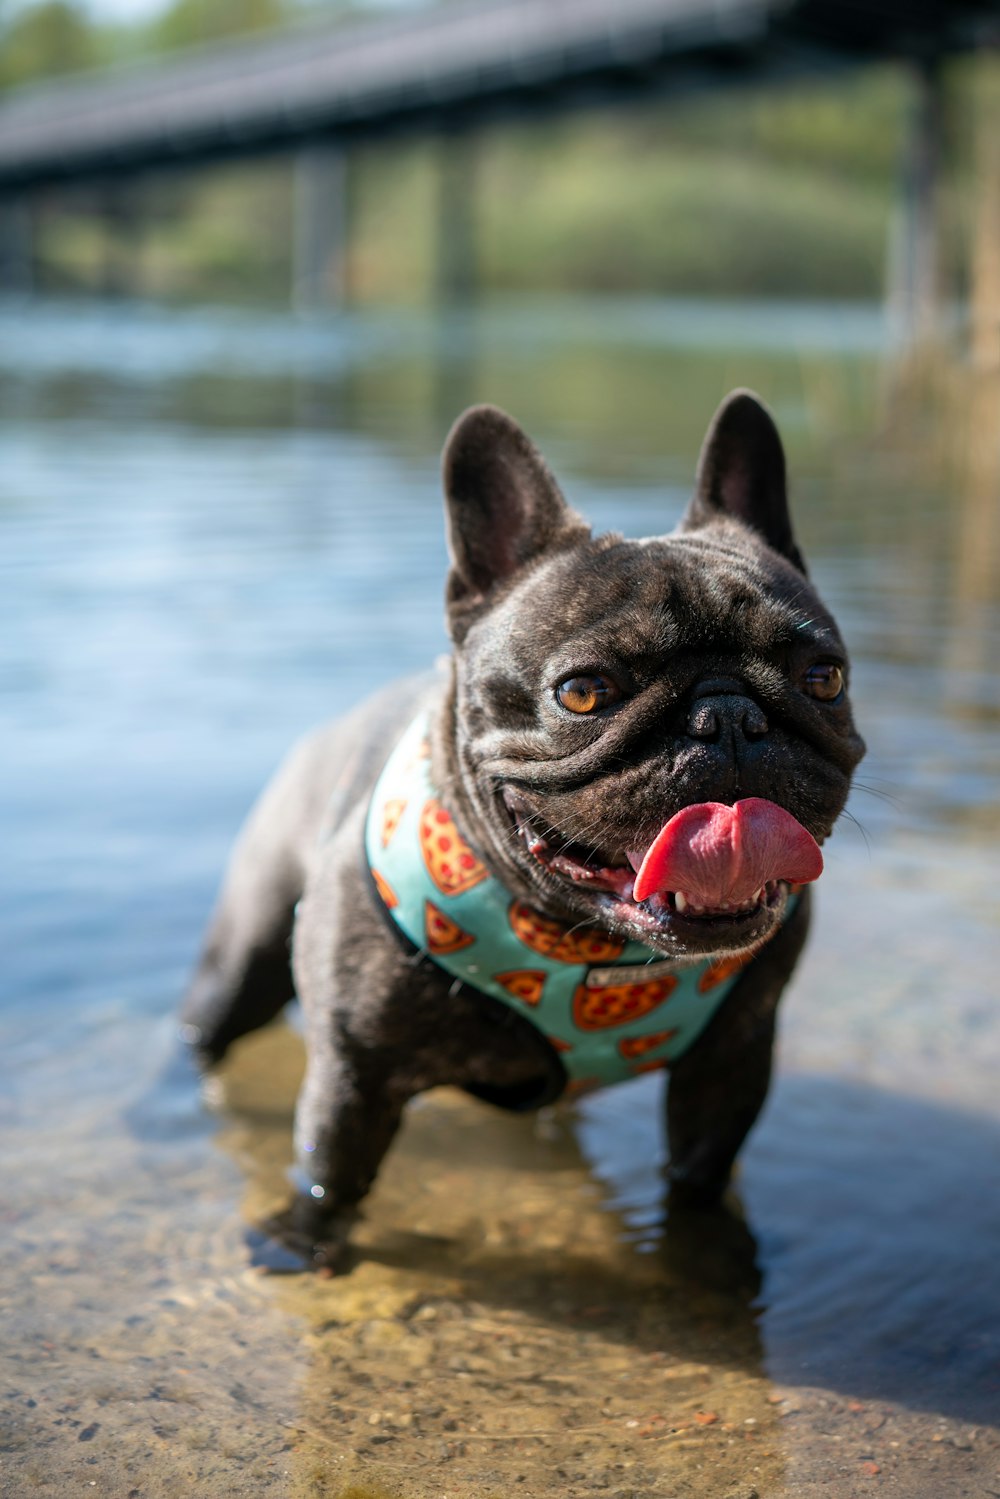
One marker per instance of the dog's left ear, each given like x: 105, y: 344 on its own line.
x: 741, y: 473
x: 503, y: 506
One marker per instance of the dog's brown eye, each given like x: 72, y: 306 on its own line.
x: 824, y: 681
x: 587, y: 694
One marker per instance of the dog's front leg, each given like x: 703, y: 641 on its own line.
x: 347, y: 1115
x: 717, y: 1089
x: 714, y: 1096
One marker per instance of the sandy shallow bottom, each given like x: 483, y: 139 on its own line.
x: 514, y: 1322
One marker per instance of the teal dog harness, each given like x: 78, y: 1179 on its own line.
x: 608, y: 1009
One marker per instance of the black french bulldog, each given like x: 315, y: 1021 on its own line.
x: 637, y: 747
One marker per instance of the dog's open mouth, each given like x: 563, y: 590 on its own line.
x: 711, y: 867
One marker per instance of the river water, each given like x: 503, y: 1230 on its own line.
x: 217, y: 529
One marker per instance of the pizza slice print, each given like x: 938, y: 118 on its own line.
x: 443, y: 935
x: 391, y: 813
x: 596, y: 1009
x: 385, y: 890
x: 553, y: 939
x: 634, y: 1047
x: 450, y: 861
x: 717, y: 973
x: 524, y: 983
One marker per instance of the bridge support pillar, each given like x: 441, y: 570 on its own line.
x: 119, y: 210
x: 914, y: 272
x: 319, y: 230
x: 457, y: 261
x: 17, y: 268
x: 984, y: 278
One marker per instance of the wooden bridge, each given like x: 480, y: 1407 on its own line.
x: 317, y: 90
x: 443, y: 68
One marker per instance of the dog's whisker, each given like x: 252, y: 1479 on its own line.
x: 850, y: 817
x: 891, y: 797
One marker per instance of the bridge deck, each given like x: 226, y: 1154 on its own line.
x: 438, y: 67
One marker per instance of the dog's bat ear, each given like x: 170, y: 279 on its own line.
x: 503, y: 507
x: 741, y: 473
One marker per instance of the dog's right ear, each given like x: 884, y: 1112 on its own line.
x: 741, y: 474
x: 503, y: 507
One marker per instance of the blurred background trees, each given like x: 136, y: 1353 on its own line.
x: 784, y: 191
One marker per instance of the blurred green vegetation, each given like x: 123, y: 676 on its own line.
x: 46, y: 41
x: 786, y: 191
x: 50, y: 38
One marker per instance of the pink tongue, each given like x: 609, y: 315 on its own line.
x: 718, y: 855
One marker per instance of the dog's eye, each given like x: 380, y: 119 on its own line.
x: 824, y: 681
x: 587, y: 694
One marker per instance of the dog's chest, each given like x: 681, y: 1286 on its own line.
x: 608, y: 1009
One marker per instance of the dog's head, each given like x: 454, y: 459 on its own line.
x: 649, y: 736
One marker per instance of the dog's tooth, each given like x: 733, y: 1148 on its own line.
x: 680, y: 900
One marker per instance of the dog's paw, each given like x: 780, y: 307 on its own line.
x: 203, y: 1054
x: 710, y: 1244
x: 299, y: 1239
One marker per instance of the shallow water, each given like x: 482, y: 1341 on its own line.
x: 218, y: 529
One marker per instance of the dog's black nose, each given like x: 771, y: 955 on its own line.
x: 726, y: 715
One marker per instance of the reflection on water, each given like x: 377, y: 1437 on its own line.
x: 217, y: 530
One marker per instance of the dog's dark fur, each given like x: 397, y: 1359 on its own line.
x: 708, y: 632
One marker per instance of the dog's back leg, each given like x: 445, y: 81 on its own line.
x: 244, y: 976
